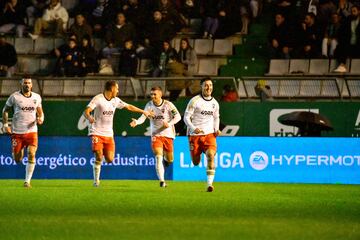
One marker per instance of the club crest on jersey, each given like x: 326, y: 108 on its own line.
x: 34, y: 101
x: 162, y: 110
x: 213, y: 105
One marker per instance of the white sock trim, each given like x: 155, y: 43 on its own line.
x: 29, y: 170
x: 160, y: 170
x: 96, y: 171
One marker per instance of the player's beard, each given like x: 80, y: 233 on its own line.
x: 26, y: 89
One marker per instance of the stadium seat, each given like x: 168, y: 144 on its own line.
x: 279, y: 66
x: 207, y: 66
x: 10, y: 40
x: 289, y: 88
x: 144, y: 67
x: 354, y: 87
x: 203, y: 46
x: 241, y: 89
x: 355, y: 66
x: 195, y: 25
x: 319, y: 66
x: 93, y: 87
x: 329, y: 89
x: 53, y: 88
x: 7, y: 87
x: 47, y: 65
x: 73, y: 87
x: 250, y: 88
x: 24, y: 45
x: 222, y: 47
x: 58, y: 42
x: 28, y: 64
x: 310, y: 88
x: 43, y: 45
x: 299, y: 66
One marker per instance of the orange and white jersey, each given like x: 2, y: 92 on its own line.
x: 165, y: 112
x: 24, y: 117
x: 203, y: 114
x: 104, y: 111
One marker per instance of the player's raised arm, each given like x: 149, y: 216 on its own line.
x: 5, y: 119
x: 134, y: 122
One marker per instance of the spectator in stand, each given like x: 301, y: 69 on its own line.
x: 137, y: 14
x: 245, y: 15
x: 263, y: 91
x: 229, y: 18
x: 211, y: 15
x: 86, y: 7
x: 8, y: 57
x: 80, y: 28
x: 255, y: 8
x: 97, y: 18
x: 325, y: 11
x: 344, y: 9
x: 161, y: 61
x: 189, y: 9
x: 89, y: 62
x: 69, y: 59
x: 36, y: 10
x: 229, y: 94
x: 309, y: 37
x: 175, y: 86
x: 12, y: 18
x: 119, y: 32
x: 187, y: 56
x: 281, y: 43
x: 55, y: 16
x: 128, y: 60
x: 157, y: 31
x: 349, y: 40
x: 330, y: 40
x: 170, y: 14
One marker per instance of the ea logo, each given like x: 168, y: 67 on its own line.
x: 259, y: 160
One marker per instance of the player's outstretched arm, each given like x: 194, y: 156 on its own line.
x: 5, y: 119
x: 132, y: 108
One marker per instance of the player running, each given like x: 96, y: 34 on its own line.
x: 101, y: 131
x: 27, y: 114
x: 202, y: 118
x: 162, y: 130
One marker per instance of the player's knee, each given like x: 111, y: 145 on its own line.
x: 17, y: 157
x: 109, y: 159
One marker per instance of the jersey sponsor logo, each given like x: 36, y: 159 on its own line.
x: 158, y: 117
x: 109, y: 113
x: 28, y: 109
x: 204, y: 112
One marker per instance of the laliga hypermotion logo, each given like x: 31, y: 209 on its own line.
x: 259, y: 160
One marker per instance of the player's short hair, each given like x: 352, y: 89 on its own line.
x: 207, y: 78
x: 26, y: 76
x: 109, y: 84
x: 156, y: 88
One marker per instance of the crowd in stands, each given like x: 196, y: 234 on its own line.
x: 316, y: 29
x: 130, y: 28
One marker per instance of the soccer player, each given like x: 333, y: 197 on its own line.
x: 27, y: 114
x: 162, y: 130
x: 101, y: 131
x: 202, y: 119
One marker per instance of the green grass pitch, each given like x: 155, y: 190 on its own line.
x: 119, y: 209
